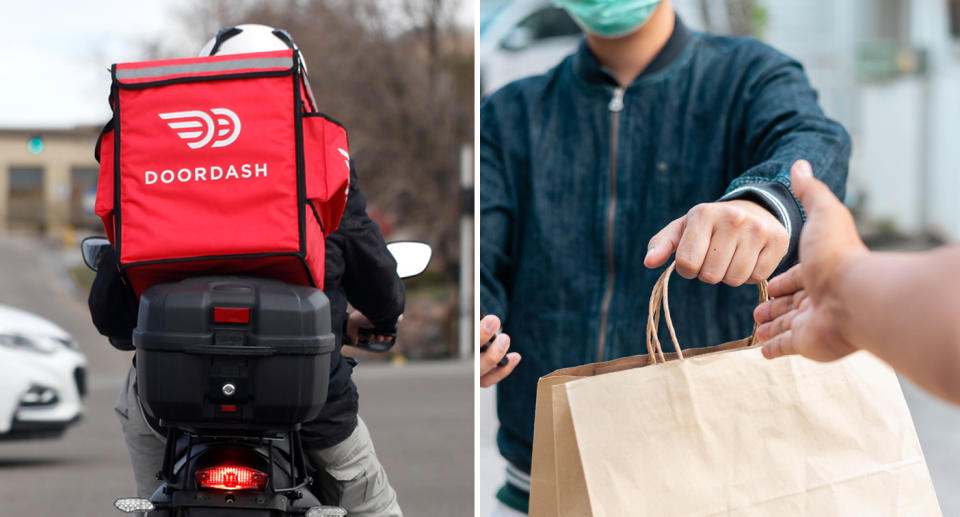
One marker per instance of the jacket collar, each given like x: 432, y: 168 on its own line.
x: 586, y: 66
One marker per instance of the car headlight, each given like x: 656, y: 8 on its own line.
x: 68, y: 342
x: 33, y: 344
x: 38, y: 396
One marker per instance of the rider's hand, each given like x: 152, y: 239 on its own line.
x: 733, y: 242
x: 490, y: 373
x: 806, y: 314
x: 357, y: 321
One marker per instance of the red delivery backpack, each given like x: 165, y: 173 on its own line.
x: 220, y: 165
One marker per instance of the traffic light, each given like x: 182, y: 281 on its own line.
x: 35, y: 145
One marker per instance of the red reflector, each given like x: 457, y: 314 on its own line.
x: 231, y: 315
x: 231, y: 477
x: 228, y: 408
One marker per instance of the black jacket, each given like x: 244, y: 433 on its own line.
x: 359, y: 269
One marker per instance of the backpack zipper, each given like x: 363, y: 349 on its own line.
x: 615, y: 107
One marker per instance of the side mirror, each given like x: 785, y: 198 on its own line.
x: 92, y: 249
x: 412, y: 257
x: 517, y: 39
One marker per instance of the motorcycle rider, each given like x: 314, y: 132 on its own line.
x: 358, y: 269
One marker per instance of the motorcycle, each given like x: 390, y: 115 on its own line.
x: 232, y: 366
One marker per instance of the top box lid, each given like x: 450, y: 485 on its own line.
x: 279, y: 61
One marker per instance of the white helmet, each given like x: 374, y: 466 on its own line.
x: 253, y: 37
x: 249, y: 37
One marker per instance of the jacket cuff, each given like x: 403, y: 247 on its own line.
x: 777, y: 198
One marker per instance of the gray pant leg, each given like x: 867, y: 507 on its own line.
x: 146, y: 446
x: 361, y: 485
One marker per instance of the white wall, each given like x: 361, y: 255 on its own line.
x: 944, y: 151
x: 887, y: 151
x: 929, y: 29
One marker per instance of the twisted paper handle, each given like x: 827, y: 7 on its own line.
x: 659, y: 298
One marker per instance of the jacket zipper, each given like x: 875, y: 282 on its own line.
x: 615, y: 106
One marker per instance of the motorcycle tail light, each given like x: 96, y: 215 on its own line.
x: 231, y: 477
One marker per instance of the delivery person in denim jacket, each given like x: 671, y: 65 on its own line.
x: 358, y: 269
x: 649, y: 141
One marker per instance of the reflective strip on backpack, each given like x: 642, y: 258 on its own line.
x: 264, y: 63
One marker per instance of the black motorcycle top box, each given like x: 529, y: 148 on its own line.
x: 233, y: 353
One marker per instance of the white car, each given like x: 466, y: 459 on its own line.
x: 42, y: 377
x: 520, y: 38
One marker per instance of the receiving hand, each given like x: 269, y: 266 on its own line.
x: 733, y: 242
x: 806, y: 313
x: 490, y: 371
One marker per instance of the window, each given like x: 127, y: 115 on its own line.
x: 83, y: 191
x: 954, y: 6
x: 888, y: 20
x: 26, y: 200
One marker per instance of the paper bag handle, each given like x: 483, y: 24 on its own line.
x: 659, y: 298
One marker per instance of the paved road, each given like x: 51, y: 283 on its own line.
x: 420, y: 415
x: 938, y: 426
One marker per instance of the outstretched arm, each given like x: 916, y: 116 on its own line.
x: 754, y: 227
x: 841, y: 298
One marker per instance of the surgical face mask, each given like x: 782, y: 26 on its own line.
x: 609, y: 18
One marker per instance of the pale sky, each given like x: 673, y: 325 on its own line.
x: 55, y: 55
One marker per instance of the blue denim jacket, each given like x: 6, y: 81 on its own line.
x: 576, y: 176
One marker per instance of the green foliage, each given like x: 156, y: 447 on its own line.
x: 759, y: 20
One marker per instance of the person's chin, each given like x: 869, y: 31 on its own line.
x: 615, y: 33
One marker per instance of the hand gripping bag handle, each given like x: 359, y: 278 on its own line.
x: 659, y: 298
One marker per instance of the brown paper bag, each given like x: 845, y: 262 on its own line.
x: 722, y: 431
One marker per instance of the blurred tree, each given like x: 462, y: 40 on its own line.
x: 399, y: 75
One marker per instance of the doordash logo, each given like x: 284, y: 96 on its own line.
x: 199, y: 128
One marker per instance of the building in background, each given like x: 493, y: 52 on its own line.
x: 48, y: 180
x: 889, y: 70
